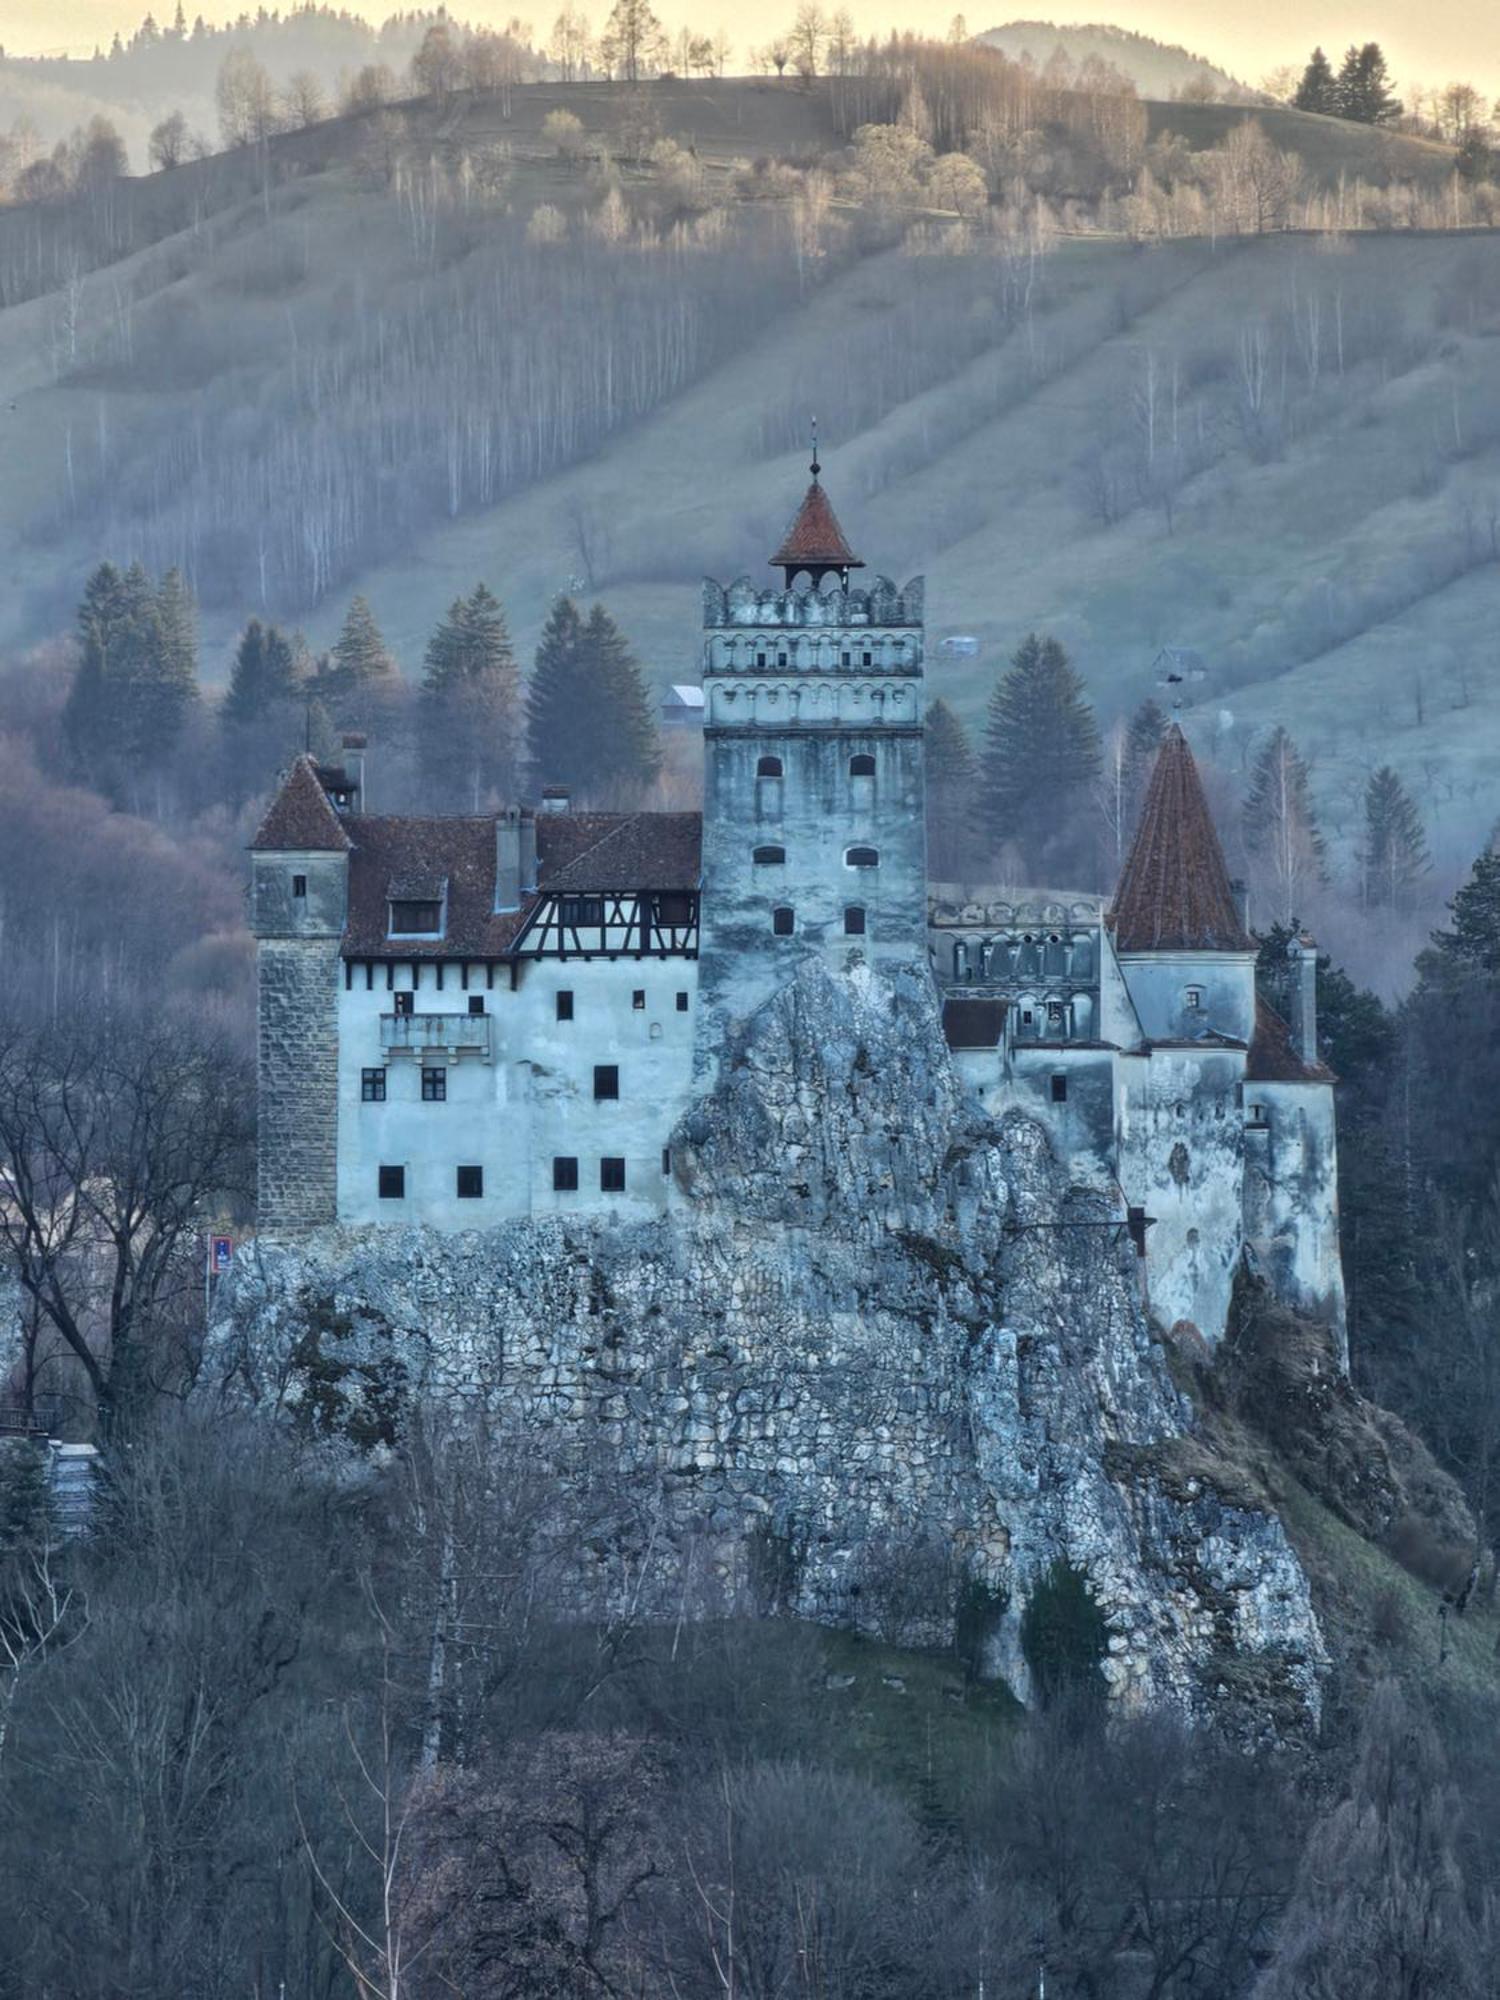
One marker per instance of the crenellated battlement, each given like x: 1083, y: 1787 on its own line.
x: 882, y: 604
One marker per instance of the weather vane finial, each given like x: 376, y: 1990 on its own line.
x: 816, y: 468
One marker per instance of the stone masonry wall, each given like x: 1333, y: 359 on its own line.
x: 297, y: 1075
x: 882, y: 1361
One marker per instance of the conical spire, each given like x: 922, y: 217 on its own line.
x: 301, y: 817
x: 815, y: 541
x: 1175, y: 893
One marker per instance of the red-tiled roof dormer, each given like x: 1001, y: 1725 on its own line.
x: 301, y: 818
x: 815, y: 541
x: 1175, y: 893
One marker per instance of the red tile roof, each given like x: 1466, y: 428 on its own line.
x: 1273, y: 1058
x: 1174, y: 893
x: 575, y: 851
x: 815, y: 540
x: 301, y: 817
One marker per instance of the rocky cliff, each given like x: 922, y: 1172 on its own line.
x: 881, y: 1364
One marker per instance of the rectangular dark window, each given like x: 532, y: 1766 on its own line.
x: 611, y: 1176
x: 372, y: 1086
x: 854, y: 921
x: 783, y: 922
x: 299, y: 885
x: 564, y: 1174
x: 406, y: 1004
x: 666, y: 1159
x: 638, y: 999
x: 434, y: 1086
x: 682, y: 1003
x: 1059, y: 1090
x: 582, y: 912
x: 476, y: 1003
x: 393, y: 1183
x: 470, y: 1183
x: 606, y: 1080
x: 565, y: 1006
x: 414, y: 919
x: 674, y: 910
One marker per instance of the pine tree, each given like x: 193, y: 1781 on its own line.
x: 555, y: 700
x: 171, y: 689
x: 1394, y: 855
x: 1473, y: 944
x: 263, y: 680
x: 1280, y: 826
x: 589, y: 715
x: 630, y: 754
x: 87, y: 722
x: 1041, y: 746
x: 470, y: 700
x: 952, y: 840
x: 1318, y: 90
x: 1363, y: 89
x: 360, y: 670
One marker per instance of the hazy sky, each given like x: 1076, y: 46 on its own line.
x: 1433, y: 42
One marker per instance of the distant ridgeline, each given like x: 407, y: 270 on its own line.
x: 469, y: 1020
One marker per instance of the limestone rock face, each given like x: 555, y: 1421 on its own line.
x: 880, y: 1364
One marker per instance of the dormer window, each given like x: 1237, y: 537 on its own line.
x: 416, y: 909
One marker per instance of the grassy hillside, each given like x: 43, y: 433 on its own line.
x: 1282, y: 451
x: 1157, y: 69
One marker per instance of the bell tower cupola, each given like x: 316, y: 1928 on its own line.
x: 815, y: 546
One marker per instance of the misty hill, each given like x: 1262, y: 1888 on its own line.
x: 1157, y: 69
x: 409, y: 363
x: 161, y: 69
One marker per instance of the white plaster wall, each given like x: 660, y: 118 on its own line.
x: 1159, y: 982
x: 533, y: 1100
x: 1291, y: 1195
x: 1187, y: 1099
x: 1118, y: 1022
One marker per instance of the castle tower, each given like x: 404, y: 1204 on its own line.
x: 299, y: 896
x: 1178, y: 932
x: 814, y: 836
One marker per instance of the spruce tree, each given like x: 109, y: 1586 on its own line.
x: 1363, y: 89
x: 1280, y: 826
x: 952, y: 841
x: 1041, y: 747
x: 87, y: 722
x: 1473, y: 944
x: 468, y: 718
x: 556, y: 697
x: 1318, y: 90
x: 360, y: 669
x: 263, y: 680
x: 1394, y: 856
x: 171, y: 689
x: 629, y: 755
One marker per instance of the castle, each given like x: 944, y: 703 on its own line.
x: 464, y: 1020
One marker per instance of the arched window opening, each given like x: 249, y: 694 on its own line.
x: 862, y: 857
x: 768, y: 767
x: 854, y: 921
x: 783, y: 921
x: 768, y: 857
x: 862, y: 766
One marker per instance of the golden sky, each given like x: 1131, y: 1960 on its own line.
x: 1432, y: 43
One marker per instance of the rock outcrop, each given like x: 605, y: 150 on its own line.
x: 880, y: 1364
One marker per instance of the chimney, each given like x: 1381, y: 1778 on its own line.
x: 508, y: 843
x: 528, y: 850
x: 1302, y: 986
x: 354, y: 764
x: 556, y: 799
x: 1240, y: 890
